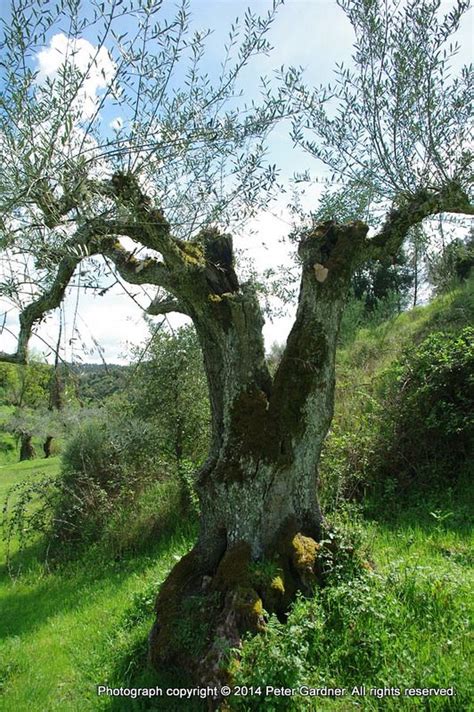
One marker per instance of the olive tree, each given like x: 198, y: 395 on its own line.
x: 184, y: 161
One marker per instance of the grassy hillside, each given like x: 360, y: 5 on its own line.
x: 363, y: 368
x: 402, y: 622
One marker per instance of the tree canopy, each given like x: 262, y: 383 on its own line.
x: 187, y: 154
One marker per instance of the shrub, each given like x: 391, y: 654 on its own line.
x: 428, y: 395
x: 102, y: 465
x: 409, y: 430
x: 111, y: 488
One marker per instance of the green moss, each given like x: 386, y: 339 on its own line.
x: 278, y: 593
x: 249, y: 610
x: 305, y: 355
x: 191, y: 252
x: 277, y: 585
x: 254, y: 429
x: 166, y: 645
x: 233, y: 569
x: 304, y: 552
x: 234, y: 577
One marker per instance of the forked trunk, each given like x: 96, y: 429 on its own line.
x: 258, y: 489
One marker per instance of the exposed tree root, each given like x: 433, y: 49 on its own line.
x: 202, y: 616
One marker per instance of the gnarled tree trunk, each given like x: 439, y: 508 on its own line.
x: 258, y: 489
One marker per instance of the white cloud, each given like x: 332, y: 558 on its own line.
x: 93, y: 63
x: 116, y: 124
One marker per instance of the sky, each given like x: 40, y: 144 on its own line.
x: 312, y: 33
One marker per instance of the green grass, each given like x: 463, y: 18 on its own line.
x: 404, y: 624
x: 13, y: 473
x: 66, y: 630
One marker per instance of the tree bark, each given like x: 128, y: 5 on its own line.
x: 47, y: 446
x: 27, y: 451
x: 258, y: 488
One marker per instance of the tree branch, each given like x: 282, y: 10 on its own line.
x: 165, y: 306
x: 145, y: 271
x: 415, y: 208
x: 91, y: 239
x: 50, y: 299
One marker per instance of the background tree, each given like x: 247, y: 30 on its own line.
x: 376, y: 281
x: 453, y: 264
x: 25, y: 388
x: 395, y: 126
x: 168, y: 391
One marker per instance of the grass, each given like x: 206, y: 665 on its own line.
x: 65, y: 631
x: 403, y: 624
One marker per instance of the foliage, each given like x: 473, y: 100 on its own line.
x: 105, y: 466
x: 104, y: 469
x: 25, y: 386
x: 376, y: 281
x: 356, y: 315
x: 28, y: 512
x: 97, y: 382
x: 168, y: 392
x: 453, y: 264
x: 139, y: 444
x: 182, y: 134
x: 396, y: 120
x: 366, y: 631
x: 429, y: 400
x: 27, y: 389
x: 404, y: 406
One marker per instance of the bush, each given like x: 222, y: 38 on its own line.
x: 428, y: 395
x: 102, y: 465
x: 409, y: 430
x: 111, y: 488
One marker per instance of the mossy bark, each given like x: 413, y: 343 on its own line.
x: 258, y: 489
